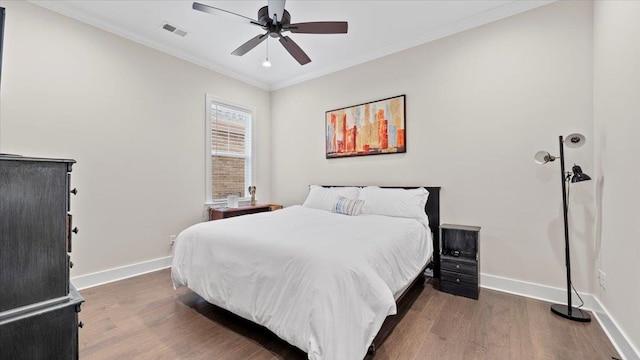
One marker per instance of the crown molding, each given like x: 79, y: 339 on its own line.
x: 497, y: 13
x: 486, y: 17
x: 64, y: 8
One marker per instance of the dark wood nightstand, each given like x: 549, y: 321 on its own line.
x: 459, y: 260
x: 225, y: 212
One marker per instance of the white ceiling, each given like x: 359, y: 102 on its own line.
x: 376, y: 28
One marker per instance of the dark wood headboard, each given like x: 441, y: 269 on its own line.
x: 432, y: 208
x: 433, y: 212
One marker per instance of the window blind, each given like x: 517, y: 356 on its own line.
x: 230, y: 151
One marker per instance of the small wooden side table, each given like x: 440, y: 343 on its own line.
x: 225, y: 212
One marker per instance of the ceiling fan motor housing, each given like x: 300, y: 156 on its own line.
x: 266, y: 21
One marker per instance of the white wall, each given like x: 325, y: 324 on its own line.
x: 617, y: 129
x: 480, y: 104
x: 131, y: 116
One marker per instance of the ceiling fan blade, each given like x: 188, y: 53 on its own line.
x: 244, y: 48
x: 320, y: 27
x: 294, y: 50
x: 276, y: 9
x: 228, y: 14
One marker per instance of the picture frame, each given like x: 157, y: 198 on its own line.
x: 373, y: 128
x: 2, y: 17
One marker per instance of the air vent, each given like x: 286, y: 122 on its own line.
x: 174, y: 29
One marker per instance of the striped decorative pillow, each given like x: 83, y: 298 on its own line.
x: 351, y: 207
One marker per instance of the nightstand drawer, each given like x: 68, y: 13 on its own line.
x: 462, y: 267
x: 457, y: 278
x: 470, y: 291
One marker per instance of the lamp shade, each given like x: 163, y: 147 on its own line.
x: 578, y: 175
x: 575, y: 140
x: 543, y: 157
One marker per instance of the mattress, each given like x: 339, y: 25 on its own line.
x: 323, y: 282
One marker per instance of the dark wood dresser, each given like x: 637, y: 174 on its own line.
x: 38, y: 304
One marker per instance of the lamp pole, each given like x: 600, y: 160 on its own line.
x: 565, y: 212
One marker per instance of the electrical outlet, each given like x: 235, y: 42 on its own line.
x: 602, y: 277
x: 172, y: 239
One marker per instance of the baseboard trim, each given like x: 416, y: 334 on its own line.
x: 557, y: 295
x: 106, y: 276
x: 618, y: 337
x: 532, y: 290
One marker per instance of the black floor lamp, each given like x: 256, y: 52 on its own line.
x: 576, y: 175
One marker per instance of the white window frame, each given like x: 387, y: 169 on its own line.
x: 209, y: 201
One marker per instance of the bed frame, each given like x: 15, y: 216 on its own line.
x: 406, y: 299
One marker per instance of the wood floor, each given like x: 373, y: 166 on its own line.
x: 144, y: 318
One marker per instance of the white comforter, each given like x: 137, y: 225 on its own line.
x: 323, y: 282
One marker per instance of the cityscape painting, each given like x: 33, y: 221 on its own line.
x: 373, y: 128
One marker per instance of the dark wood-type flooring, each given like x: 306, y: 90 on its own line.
x: 144, y: 318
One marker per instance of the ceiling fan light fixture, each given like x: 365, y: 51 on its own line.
x: 266, y: 63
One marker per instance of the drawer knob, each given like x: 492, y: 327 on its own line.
x: 74, y: 191
x: 75, y: 230
x: 457, y: 280
x: 71, y: 264
x: 458, y: 266
x: 80, y: 324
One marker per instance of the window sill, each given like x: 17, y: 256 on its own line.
x: 223, y: 203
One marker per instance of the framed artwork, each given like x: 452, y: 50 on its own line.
x: 373, y: 128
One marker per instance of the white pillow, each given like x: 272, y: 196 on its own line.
x: 408, y: 203
x: 344, y: 206
x: 324, y: 198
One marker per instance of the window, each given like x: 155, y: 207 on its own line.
x: 229, y: 170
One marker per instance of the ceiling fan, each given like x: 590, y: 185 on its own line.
x: 275, y: 20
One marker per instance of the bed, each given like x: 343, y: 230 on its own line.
x: 323, y: 281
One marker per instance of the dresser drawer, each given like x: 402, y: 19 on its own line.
x: 457, y: 278
x: 33, y: 256
x: 462, y: 267
x: 50, y: 332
